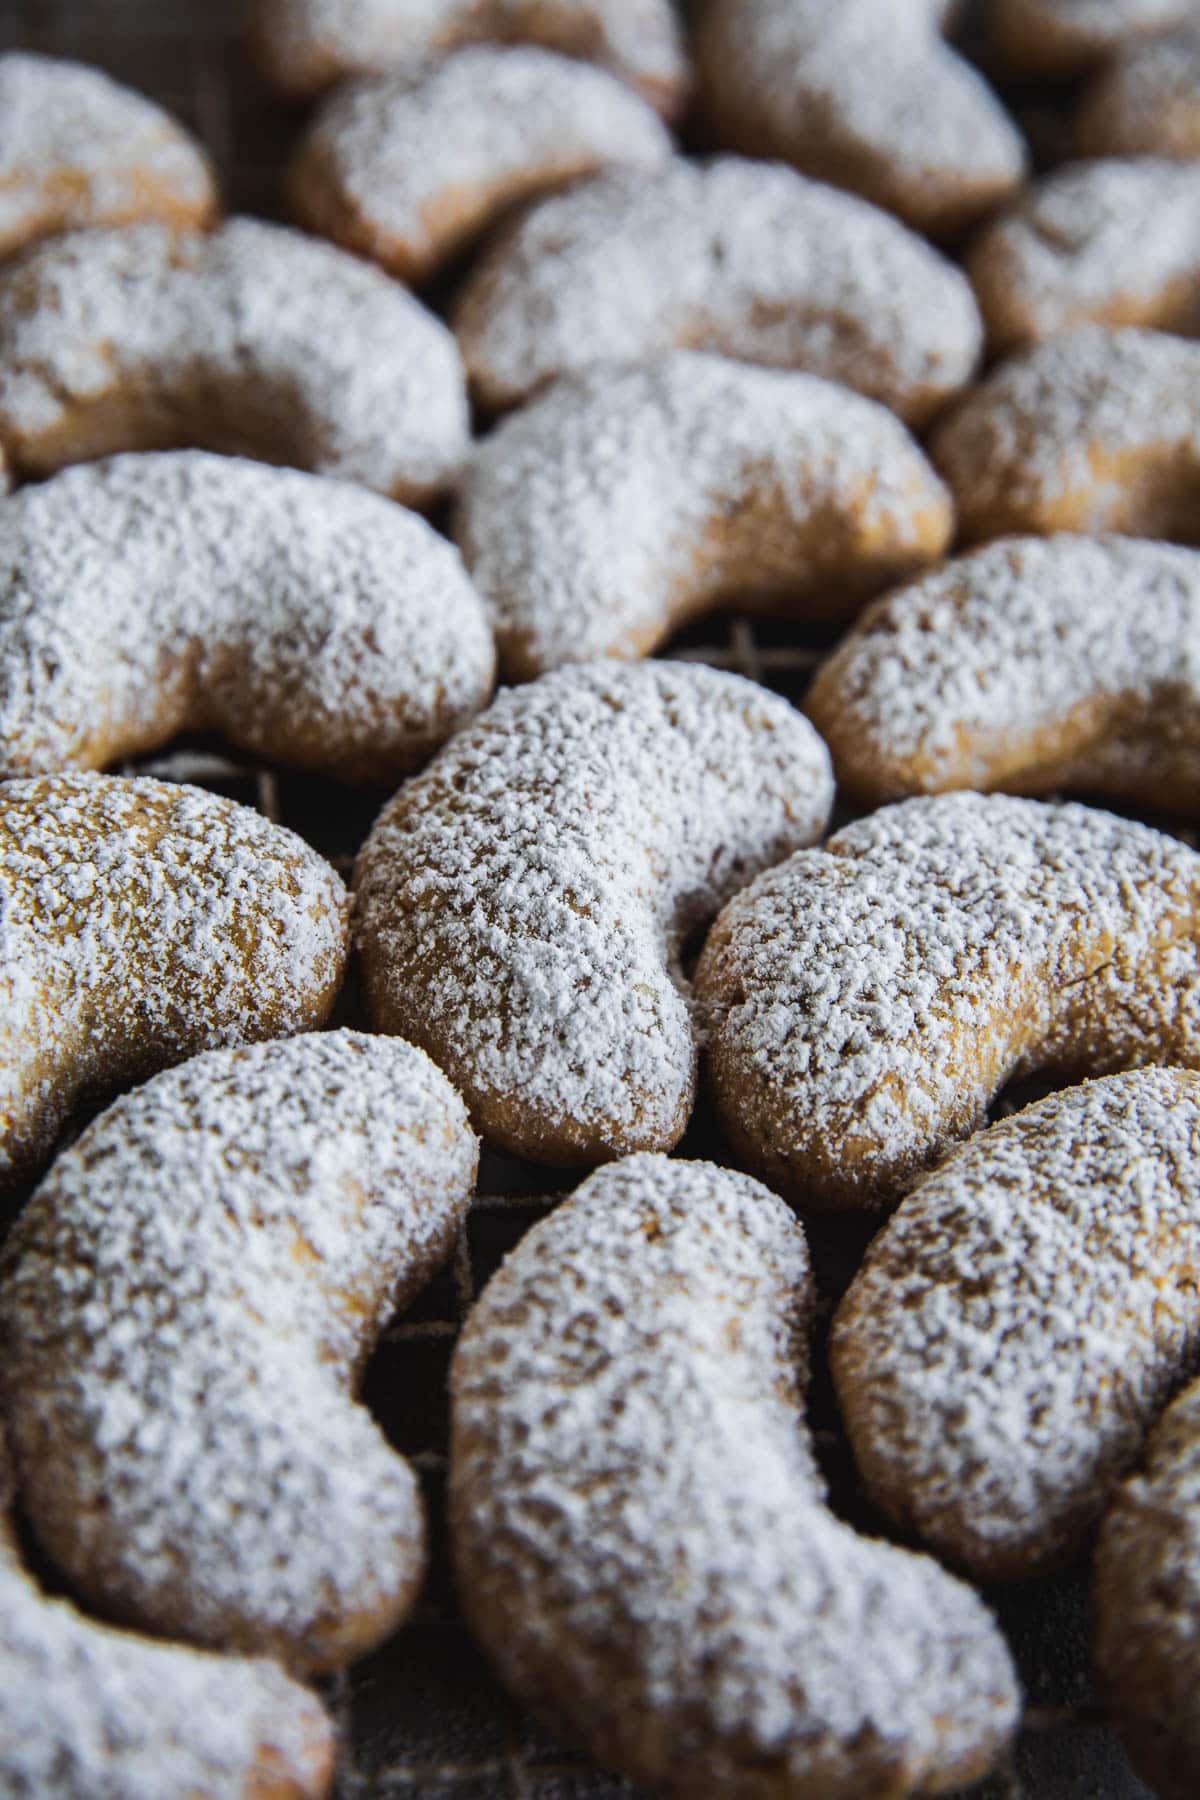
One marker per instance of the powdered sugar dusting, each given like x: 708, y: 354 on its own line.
x: 1116, y: 241
x: 409, y: 167
x: 864, y: 93
x: 309, y: 620
x: 142, y: 923
x: 523, y: 904
x: 185, y: 1305
x: 865, y: 1002
x: 745, y: 258
x: 640, y: 1533
x: 78, y: 149
x: 305, y: 45
x: 1034, y: 663
x: 1092, y: 430
x: 625, y: 501
x: 251, y: 338
x: 1148, y: 101
x: 1021, y: 1319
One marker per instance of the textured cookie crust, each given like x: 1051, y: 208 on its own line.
x: 1021, y: 1319
x: 1147, y: 1605
x: 1093, y: 430
x: 864, y: 1003
x: 624, y: 502
x: 410, y: 168
x: 1060, y: 38
x: 863, y: 93
x: 1034, y: 664
x: 185, y: 1305
x: 1116, y: 242
x: 523, y: 905
x: 304, y: 46
x: 253, y: 339
x: 308, y: 620
x: 1147, y: 103
x: 142, y: 923
x: 739, y: 257
x: 640, y: 1532
x: 76, y: 149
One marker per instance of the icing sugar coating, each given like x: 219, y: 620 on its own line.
x: 744, y: 258
x: 522, y: 906
x: 77, y: 148
x: 864, y: 1003
x: 143, y: 922
x: 866, y: 94
x: 624, y: 501
x: 87, y: 1713
x: 249, y: 339
x: 1034, y: 664
x: 640, y: 1532
x: 1093, y: 430
x: 185, y: 1305
x: 1147, y: 1604
x: 409, y: 168
x: 304, y: 46
x: 310, y: 621
x: 1021, y: 1319
x: 1059, y: 38
x: 1147, y: 102
x: 1116, y: 241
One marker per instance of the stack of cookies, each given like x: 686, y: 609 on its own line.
x: 857, y: 1042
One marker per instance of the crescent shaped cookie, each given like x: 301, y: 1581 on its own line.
x: 76, y: 149
x: 144, y: 922
x: 1092, y: 430
x: 1147, y: 102
x: 866, y: 94
x: 1034, y: 664
x: 249, y: 339
x: 1056, y: 39
x: 205, y: 1271
x: 309, y: 621
x: 864, y: 1003
x: 1116, y: 242
x: 1021, y: 1319
x: 1146, y: 1605
x: 640, y: 1533
x: 743, y: 258
x: 85, y: 1710
x: 304, y: 46
x: 410, y: 168
x: 624, y: 502
x: 522, y: 905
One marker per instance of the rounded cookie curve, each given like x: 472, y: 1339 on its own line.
x: 1146, y: 1604
x: 1093, y: 430
x: 85, y: 1710
x: 410, y: 168
x: 1020, y: 1320
x: 748, y: 259
x: 639, y: 1529
x: 142, y: 923
x: 304, y: 46
x: 310, y: 621
x: 1062, y: 38
x: 1033, y: 665
x: 864, y: 1003
x: 1115, y: 242
x: 625, y: 501
x: 77, y: 148
x: 522, y: 906
x: 866, y: 94
x: 251, y: 338
x: 205, y: 1272
x: 1147, y: 102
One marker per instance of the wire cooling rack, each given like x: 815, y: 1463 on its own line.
x: 422, y: 1719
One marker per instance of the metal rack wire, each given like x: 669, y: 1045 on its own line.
x: 422, y: 1719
